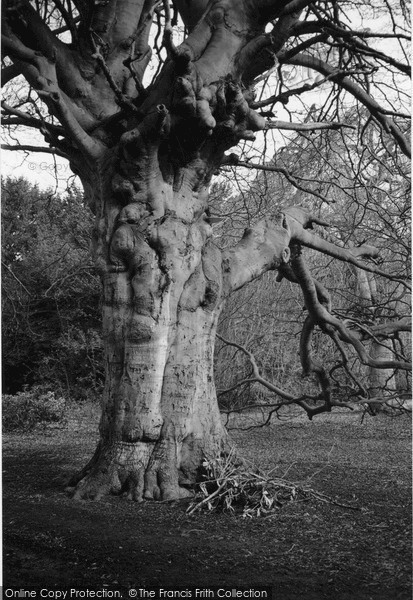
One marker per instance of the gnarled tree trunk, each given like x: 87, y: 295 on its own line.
x: 164, y: 285
x: 162, y: 296
x: 164, y: 280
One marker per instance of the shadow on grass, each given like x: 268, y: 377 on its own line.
x: 306, y: 551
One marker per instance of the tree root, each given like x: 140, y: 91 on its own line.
x: 138, y: 471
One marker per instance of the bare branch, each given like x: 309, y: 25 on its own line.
x: 307, y: 60
x: 283, y: 97
x: 390, y: 328
x: 122, y: 99
x: 90, y: 147
x: 15, y: 277
x: 321, y: 316
x: 234, y: 160
x: 30, y: 121
x: 288, y: 398
x: 29, y: 148
x: 311, y: 126
x: 296, y: 224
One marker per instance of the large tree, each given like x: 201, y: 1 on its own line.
x: 145, y: 145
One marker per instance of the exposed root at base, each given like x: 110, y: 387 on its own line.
x: 138, y: 471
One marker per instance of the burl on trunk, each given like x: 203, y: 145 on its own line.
x: 165, y: 282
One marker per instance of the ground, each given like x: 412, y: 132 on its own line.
x: 307, y: 551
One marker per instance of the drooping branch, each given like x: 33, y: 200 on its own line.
x: 264, y: 247
x: 256, y: 376
x: 288, y: 398
x: 298, y: 220
x: 310, y: 365
x: 322, y: 317
x: 312, y: 62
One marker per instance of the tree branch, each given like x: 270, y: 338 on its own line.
x: 288, y: 398
x: 29, y: 148
x: 262, y: 248
x: 322, y: 317
x: 312, y: 62
x: 122, y: 99
x: 28, y: 120
x: 10, y: 72
x: 297, y: 223
x: 43, y: 39
x: 90, y: 147
x: 387, y: 329
x: 311, y: 126
x: 234, y: 160
x: 283, y: 97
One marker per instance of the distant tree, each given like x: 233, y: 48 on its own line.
x: 146, y: 145
x: 50, y: 296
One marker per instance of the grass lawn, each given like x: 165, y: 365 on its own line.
x: 306, y: 551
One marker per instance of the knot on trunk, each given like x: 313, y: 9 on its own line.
x: 222, y: 106
x: 138, y: 159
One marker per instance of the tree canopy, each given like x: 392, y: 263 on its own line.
x: 89, y: 65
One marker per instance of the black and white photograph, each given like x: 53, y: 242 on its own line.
x: 206, y: 300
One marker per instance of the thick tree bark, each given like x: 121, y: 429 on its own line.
x: 162, y: 291
x: 164, y: 285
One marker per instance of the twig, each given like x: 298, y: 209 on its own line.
x: 15, y: 277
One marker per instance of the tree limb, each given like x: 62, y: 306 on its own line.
x: 312, y: 62
x: 311, y: 126
x: 288, y: 398
x: 297, y: 223
x: 234, y: 160
x: 10, y: 72
x: 262, y: 248
x: 321, y: 316
x: 29, y: 148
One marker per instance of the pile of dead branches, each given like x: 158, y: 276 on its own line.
x: 227, y: 486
